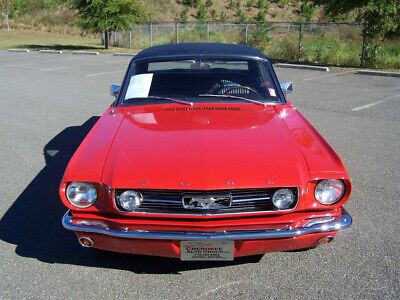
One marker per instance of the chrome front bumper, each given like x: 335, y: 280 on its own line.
x: 316, y: 225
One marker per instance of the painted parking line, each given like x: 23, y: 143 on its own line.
x: 53, y: 69
x: 330, y: 75
x: 117, y: 61
x: 104, y: 73
x: 374, y: 103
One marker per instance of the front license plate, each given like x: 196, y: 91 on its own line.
x: 207, y: 250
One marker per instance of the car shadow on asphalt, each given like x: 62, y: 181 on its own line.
x: 33, y: 222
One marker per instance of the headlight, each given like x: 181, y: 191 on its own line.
x: 329, y: 191
x: 283, y: 198
x: 81, y: 194
x: 129, y: 200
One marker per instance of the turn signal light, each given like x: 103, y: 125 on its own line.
x: 86, y: 242
x: 326, y: 239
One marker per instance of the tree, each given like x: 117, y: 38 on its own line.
x: 108, y: 15
x: 381, y: 19
x: 5, y: 5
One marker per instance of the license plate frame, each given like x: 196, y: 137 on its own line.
x: 207, y: 250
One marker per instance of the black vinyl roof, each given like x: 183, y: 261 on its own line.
x: 200, y: 49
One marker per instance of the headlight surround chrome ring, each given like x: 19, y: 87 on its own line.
x: 81, y: 194
x: 129, y: 200
x: 283, y: 198
x: 329, y: 191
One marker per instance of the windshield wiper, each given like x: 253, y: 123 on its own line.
x: 161, y: 98
x: 234, y: 97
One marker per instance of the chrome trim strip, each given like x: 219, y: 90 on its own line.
x: 251, y: 199
x: 161, y: 201
x: 203, y: 213
x: 344, y: 221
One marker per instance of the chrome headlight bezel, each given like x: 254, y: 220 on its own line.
x: 124, y: 204
x: 81, y: 194
x: 286, y: 203
x: 329, y: 191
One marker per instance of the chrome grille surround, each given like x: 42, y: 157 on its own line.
x: 170, y: 201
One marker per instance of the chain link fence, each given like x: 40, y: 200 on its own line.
x: 320, y: 43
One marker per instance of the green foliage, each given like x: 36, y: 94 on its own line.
x: 261, y: 4
x: 382, y: 19
x: 202, y: 13
x: 250, y: 3
x: 231, y: 4
x: 372, y: 55
x: 213, y: 13
x: 260, y: 37
x: 17, y: 8
x: 184, y: 13
x: 307, y: 10
x: 283, y: 3
x: 192, y: 3
x: 260, y: 17
x: 209, y: 3
x: 222, y: 16
x: 237, y: 4
x: 98, y: 15
x: 286, y: 48
x: 240, y: 14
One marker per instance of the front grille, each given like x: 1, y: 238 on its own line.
x: 243, y: 201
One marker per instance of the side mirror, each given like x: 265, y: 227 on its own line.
x: 114, y: 90
x: 287, y: 87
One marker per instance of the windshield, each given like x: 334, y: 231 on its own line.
x: 199, y: 80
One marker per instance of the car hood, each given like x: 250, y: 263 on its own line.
x: 203, y: 147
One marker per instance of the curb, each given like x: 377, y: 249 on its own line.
x: 378, y: 73
x: 305, y: 67
x: 85, y: 52
x: 19, y: 50
x: 124, y: 54
x: 50, y: 51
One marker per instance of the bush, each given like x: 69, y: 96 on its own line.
x: 222, y: 16
x: 184, y: 15
x: 209, y: 3
x: 372, y: 55
x: 260, y: 16
x: 307, y: 10
x: 192, y: 3
x: 213, y: 13
x: 261, y: 4
x: 202, y: 13
x: 287, y: 49
x: 240, y: 15
x: 260, y: 37
x: 250, y: 3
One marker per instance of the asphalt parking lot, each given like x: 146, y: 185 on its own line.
x: 49, y: 102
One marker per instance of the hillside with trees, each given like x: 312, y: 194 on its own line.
x: 380, y: 19
x: 61, y: 15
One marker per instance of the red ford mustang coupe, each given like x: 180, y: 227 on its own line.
x: 201, y: 157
